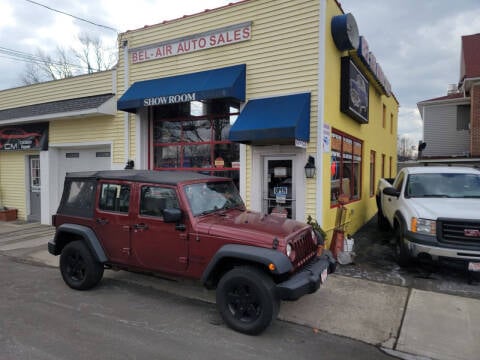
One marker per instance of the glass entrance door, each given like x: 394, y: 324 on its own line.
x: 278, y: 187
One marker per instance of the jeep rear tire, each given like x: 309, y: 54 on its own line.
x: 246, y: 300
x: 79, y: 268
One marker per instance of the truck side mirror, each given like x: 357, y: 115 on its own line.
x: 391, y: 191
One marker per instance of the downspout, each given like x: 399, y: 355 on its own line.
x: 320, y: 109
x: 126, y: 114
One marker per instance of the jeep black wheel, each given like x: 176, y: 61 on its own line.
x: 402, y: 255
x: 79, y: 268
x: 246, y: 300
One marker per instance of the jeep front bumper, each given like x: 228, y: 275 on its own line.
x: 308, y: 280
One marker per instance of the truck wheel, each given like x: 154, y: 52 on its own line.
x: 402, y: 254
x: 246, y: 300
x: 382, y: 221
x: 78, y: 267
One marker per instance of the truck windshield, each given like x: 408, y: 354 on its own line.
x: 206, y: 198
x: 448, y: 185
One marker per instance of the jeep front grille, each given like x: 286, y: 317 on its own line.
x: 305, y: 249
x: 466, y: 232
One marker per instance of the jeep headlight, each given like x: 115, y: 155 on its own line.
x: 424, y: 226
x: 289, y: 250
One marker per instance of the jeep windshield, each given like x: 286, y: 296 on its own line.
x: 205, y: 198
x: 443, y: 185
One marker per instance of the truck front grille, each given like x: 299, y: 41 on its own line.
x: 460, y: 232
x: 305, y: 249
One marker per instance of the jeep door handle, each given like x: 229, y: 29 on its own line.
x: 140, y: 226
x: 102, y: 221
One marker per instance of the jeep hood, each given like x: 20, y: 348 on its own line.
x: 249, y: 226
x: 455, y: 208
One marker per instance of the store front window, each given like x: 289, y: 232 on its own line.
x: 346, y: 168
x: 194, y: 136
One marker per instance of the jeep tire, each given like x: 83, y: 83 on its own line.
x: 79, y: 268
x: 246, y: 300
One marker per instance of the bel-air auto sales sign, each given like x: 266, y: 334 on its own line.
x: 215, y: 38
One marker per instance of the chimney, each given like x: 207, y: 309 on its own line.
x: 452, y: 89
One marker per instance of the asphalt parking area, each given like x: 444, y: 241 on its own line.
x: 375, y: 261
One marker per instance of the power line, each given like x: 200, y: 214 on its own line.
x: 30, y: 58
x: 73, y: 16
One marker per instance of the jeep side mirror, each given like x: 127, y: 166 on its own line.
x: 391, y: 191
x: 172, y: 215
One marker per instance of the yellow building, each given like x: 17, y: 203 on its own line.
x: 261, y: 91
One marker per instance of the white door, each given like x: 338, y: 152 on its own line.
x: 279, y: 186
x: 34, y: 167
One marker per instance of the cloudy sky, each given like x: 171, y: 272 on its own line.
x: 417, y: 42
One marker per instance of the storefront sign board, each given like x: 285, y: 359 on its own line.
x: 211, y: 39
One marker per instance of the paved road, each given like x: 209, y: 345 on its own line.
x: 41, y: 318
x: 402, y: 320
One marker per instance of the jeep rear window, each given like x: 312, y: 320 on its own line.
x: 78, y: 198
x: 115, y: 197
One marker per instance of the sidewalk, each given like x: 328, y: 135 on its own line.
x: 405, y: 322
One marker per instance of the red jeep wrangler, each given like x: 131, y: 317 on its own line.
x: 186, y: 225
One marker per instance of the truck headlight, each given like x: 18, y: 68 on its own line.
x: 424, y: 226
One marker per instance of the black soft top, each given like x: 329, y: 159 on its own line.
x: 152, y: 176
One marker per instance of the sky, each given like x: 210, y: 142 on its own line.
x: 417, y: 42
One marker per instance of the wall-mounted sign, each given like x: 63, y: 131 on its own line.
x: 24, y: 137
x: 370, y: 61
x: 300, y: 144
x: 214, y: 38
x: 172, y: 99
x: 353, y: 92
x: 327, y: 133
x: 345, y: 32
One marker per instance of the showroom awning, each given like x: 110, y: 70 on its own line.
x: 227, y: 82
x: 275, y: 120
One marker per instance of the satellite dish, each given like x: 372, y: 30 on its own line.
x: 345, y: 32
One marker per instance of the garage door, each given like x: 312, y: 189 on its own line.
x: 83, y: 159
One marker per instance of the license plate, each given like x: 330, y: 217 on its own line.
x: 325, y: 274
x: 474, y: 266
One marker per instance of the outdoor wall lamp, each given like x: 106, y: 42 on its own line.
x: 310, y: 168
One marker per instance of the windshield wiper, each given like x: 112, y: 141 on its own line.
x: 206, y: 212
x: 437, y: 196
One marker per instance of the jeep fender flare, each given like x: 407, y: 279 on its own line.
x: 88, y: 236
x: 250, y: 254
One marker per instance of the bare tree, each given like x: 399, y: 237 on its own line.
x: 93, y: 55
x: 64, y: 63
x: 405, y: 148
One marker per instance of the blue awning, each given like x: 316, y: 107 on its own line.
x: 275, y: 120
x: 227, y: 82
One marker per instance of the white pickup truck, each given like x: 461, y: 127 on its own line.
x: 435, y: 213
